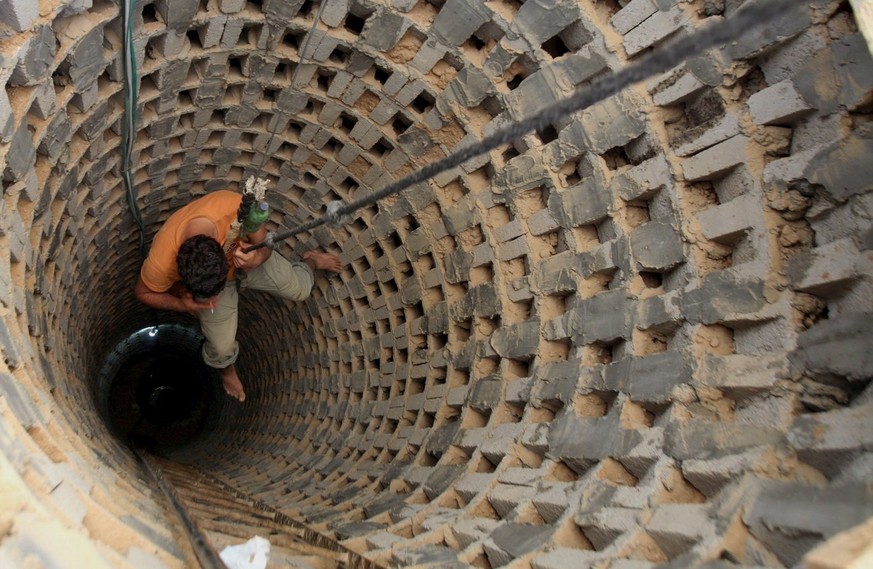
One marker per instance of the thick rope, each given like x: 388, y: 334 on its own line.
x: 657, y: 62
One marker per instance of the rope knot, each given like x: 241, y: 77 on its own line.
x: 271, y: 242
x: 333, y: 217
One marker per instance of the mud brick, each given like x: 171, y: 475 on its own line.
x: 779, y: 104
x: 212, y: 32
x: 649, y: 378
x: 163, y: 128
x: 542, y: 222
x: 538, y: 22
x: 505, y: 498
x: 568, y: 558
x: 724, y: 128
x: 15, y: 396
x: 408, y: 92
x: 57, y: 139
x: 844, y: 67
x: 469, y: 87
x: 704, y: 440
x: 509, y: 231
x: 177, y: 14
x: 656, y: 246
x: 557, y: 381
x: 553, y: 501
x: 535, y: 93
x: 19, y: 14
x: 840, y: 167
x: 518, y: 391
x: 710, y: 476
x: 441, y: 437
x: 782, y: 28
x: 458, y: 19
x: 334, y: 12
x: 20, y: 154
x: 485, y: 394
x: 583, y: 204
x: 383, y: 29
x: 556, y: 329
x: 441, y: 479
x: 172, y: 75
x: 838, y: 346
x: 470, y: 531
x: 512, y: 540
x: 35, y: 56
x: 513, y: 249
x: 605, y: 525
x: 427, y: 556
x: 632, y: 15
x: 501, y: 441
x: 790, y: 518
x: 517, y: 341
x: 654, y: 30
x: 583, y: 442
x: 725, y: 222
x: 659, y: 313
x: 740, y: 376
x: 602, y: 318
x: 555, y: 274
x: 45, y: 102
x: 645, y: 454
x: 678, y: 90
x: 470, y: 439
x: 644, y: 180
x: 716, y: 161
x: 723, y: 298
x: 622, y: 117
x: 535, y: 437
x: 439, y: 517
x: 828, y: 441
x: 602, y: 259
x: 231, y: 6
x: 428, y: 55
x: 458, y: 266
x: 676, y: 527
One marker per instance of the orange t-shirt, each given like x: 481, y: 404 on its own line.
x: 160, y: 272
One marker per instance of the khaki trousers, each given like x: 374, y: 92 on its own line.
x: 278, y: 276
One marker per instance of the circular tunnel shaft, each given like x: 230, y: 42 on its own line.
x: 636, y: 336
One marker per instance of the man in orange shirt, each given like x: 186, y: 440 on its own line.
x: 193, y: 259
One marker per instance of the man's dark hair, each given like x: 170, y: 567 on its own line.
x: 202, y: 266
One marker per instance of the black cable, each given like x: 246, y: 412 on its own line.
x: 206, y: 554
x: 746, y: 19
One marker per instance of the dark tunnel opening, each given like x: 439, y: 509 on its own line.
x: 155, y: 392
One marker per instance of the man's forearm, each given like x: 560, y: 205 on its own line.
x: 162, y: 301
x: 263, y: 254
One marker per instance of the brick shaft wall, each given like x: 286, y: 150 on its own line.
x: 640, y: 335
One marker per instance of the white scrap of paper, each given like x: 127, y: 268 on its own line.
x: 252, y: 554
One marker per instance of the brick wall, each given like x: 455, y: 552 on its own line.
x: 640, y: 335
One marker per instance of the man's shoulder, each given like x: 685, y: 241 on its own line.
x: 221, y: 196
x: 214, y: 203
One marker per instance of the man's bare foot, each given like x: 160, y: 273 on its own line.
x: 323, y: 261
x: 232, y: 385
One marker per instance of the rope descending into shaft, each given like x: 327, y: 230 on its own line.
x: 727, y: 30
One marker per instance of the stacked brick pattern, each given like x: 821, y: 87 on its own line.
x: 637, y: 336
